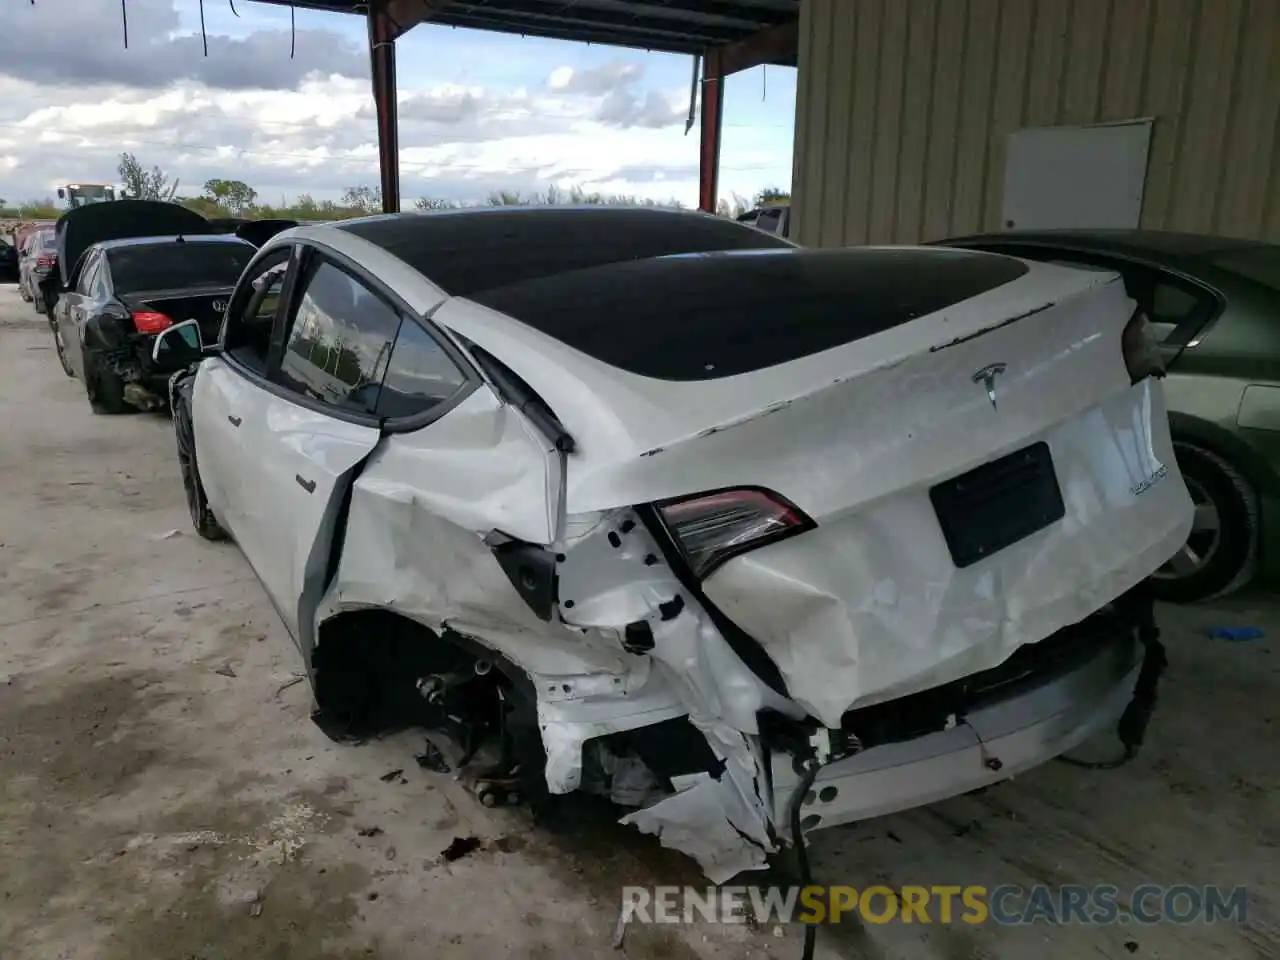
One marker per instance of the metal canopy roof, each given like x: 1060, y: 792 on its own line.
x: 671, y: 26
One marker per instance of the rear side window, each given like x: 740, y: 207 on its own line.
x: 339, y: 341
x: 420, y: 374
x: 170, y: 266
x: 705, y: 316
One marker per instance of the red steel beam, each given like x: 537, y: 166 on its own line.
x: 712, y: 123
x: 382, y: 55
x: 778, y: 44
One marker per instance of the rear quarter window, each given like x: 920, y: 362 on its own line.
x: 712, y: 315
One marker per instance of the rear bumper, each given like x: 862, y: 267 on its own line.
x: 998, y: 739
x: 146, y: 383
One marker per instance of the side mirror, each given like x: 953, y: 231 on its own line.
x: 62, y: 194
x: 178, y: 345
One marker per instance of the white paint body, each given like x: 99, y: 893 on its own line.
x: 864, y: 608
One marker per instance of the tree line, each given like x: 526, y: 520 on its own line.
x: 234, y: 198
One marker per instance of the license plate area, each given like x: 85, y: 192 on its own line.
x: 997, y: 504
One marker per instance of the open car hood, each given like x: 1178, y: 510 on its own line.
x: 79, y: 229
x: 259, y: 232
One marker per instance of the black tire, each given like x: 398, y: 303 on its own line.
x: 104, y: 389
x: 1221, y: 554
x: 61, y: 351
x: 202, y: 518
x: 37, y: 302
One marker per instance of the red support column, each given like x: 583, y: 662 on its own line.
x: 382, y: 53
x: 712, y: 122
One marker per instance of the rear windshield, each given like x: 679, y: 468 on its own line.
x: 171, y: 266
x: 466, y: 251
x: 1261, y: 264
x: 705, y: 316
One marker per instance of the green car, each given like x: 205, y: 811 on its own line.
x: 1215, y: 305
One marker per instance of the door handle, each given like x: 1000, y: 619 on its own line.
x: 235, y: 421
x: 305, y: 484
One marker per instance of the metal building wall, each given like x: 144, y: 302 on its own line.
x: 903, y: 108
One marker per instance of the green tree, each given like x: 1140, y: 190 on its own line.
x: 435, y: 203
x: 233, y: 195
x: 142, y: 183
x: 772, y: 195
x: 363, y: 198
x: 204, y: 206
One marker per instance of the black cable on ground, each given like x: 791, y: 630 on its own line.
x: 1132, y: 728
x: 802, y: 854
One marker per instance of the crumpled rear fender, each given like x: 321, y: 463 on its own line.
x: 626, y: 644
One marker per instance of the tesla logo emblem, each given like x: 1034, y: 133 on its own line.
x: 219, y: 306
x: 986, y: 378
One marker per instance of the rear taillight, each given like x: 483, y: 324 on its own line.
x: 1141, y: 349
x: 149, y: 321
x: 710, y: 528
x: 44, y: 261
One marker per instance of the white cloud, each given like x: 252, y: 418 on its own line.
x: 289, y: 126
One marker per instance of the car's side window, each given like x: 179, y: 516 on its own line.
x: 420, y: 374
x: 252, y: 315
x: 88, y: 274
x: 98, y: 284
x: 770, y: 220
x: 1175, y: 308
x: 339, y: 340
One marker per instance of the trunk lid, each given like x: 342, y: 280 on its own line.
x: 851, y: 371
x: 204, y: 306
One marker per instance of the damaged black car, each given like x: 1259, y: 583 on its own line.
x: 136, y: 272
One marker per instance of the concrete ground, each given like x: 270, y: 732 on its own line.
x: 163, y: 794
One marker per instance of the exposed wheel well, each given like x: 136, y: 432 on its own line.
x: 367, y: 663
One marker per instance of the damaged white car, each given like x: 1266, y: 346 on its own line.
x: 753, y: 538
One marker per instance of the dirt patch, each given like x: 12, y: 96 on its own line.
x: 109, y: 825
x: 302, y: 911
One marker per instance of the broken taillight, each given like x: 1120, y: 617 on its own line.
x: 710, y: 528
x: 150, y: 321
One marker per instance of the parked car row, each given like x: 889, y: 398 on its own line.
x: 750, y: 538
x: 112, y: 276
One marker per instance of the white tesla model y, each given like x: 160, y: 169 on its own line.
x: 752, y: 538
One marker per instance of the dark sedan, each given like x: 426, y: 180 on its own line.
x: 122, y: 293
x: 1215, y: 305
x: 8, y: 260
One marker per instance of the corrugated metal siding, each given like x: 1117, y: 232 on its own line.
x: 904, y: 106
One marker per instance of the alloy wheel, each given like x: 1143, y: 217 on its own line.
x: 1202, y: 543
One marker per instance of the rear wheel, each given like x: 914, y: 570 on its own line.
x: 1220, y: 555
x: 62, y: 351
x: 37, y: 301
x: 202, y: 518
x: 104, y: 388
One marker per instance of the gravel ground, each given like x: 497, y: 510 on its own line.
x: 164, y: 795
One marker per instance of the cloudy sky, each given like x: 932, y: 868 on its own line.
x: 478, y: 111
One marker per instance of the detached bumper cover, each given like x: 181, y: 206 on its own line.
x: 1021, y: 715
